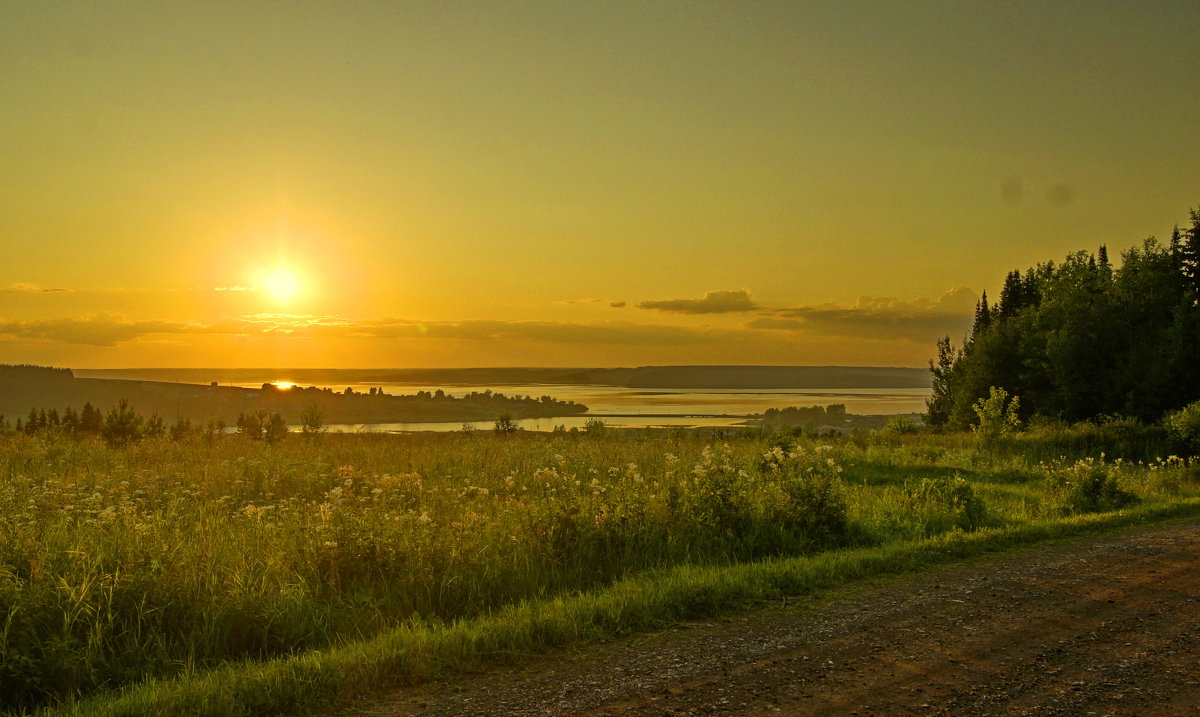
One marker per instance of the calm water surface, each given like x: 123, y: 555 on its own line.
x: 637, y: 407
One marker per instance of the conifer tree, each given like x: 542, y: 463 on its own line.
x: 1189, y: 254
x: 90, y: 419
x: 1083, y: 338
x: 983, y: 317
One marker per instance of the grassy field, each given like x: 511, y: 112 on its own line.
x: 233, y: 577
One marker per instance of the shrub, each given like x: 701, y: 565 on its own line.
x: 506, y: 424
x: 121, y: 426
x: 312, y: 419
x: 950, y: 495
x: 154, y: 427
x: 997, y: 415
x: 1184, y: 426
x: 251, y: 425
x: 814, y: 494
x: 275, y: 429
x: 902, y: 426
x: 180, y: 429
x: 1086, y: 486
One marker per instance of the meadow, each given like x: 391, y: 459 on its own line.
x: 164, y: 572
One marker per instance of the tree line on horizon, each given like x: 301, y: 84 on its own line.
x: 122, y: 425
x: 1082, y: 339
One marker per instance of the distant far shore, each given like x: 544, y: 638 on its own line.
x: 25, y: 390
x: 714, y: 377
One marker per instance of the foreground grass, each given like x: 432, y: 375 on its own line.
x: 414, y: 654
x: 206, y: 577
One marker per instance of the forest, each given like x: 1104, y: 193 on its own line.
x: 1084, y: 339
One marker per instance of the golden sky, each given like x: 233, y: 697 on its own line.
x: 400, y: 184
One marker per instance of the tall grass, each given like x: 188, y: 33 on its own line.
x: 118, y: 565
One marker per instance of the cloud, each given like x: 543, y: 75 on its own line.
x: 924, y: 320
x: 26, y: 288
x: 612, y: 332
x: 612, y: 303
x: 93, y: 331
x: 109, y: 331
x: 714, y: 302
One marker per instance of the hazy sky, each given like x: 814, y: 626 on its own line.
x: 567, y: 183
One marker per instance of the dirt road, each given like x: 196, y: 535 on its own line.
x: 1104, y: 626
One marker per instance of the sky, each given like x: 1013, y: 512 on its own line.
x: 520, y: 183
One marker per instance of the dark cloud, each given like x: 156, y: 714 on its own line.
x: 714, y: 302
x: 879, y: 318
x: 1060, y: 195
x: 617, y: 304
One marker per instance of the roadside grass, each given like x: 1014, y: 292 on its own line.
x: 417, y: 653
x: 230, y: 577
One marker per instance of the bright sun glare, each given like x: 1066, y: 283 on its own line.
x: 281, y: 283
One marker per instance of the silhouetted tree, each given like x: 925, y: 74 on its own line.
x: 983, y: 317
x: 252, y: 425
x: 90, y: 419
x: 180, y: 429
x: 121, y: 426
x: 506, y: 424
x: 155, y: 427
x: 70, y: 421
x: 312, y: 419
x: 275, y: 429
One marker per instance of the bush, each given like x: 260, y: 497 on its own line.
x: 251, y: 425
x: 814, y: 497
x: 998, y: 416
x: 1087, y: 486
x: 1184, y: 426
x: 948, y: 495
x: 506, y: 424
x: 902, y: 426
x: 312, y: 419
x: 180, y: 429
x: 276, y: 429
x: 1125, y: 438
x: 121, y: 426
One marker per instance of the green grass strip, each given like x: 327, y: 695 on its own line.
x: 410, y: 655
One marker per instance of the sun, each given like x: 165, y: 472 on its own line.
x: 282, y: 283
